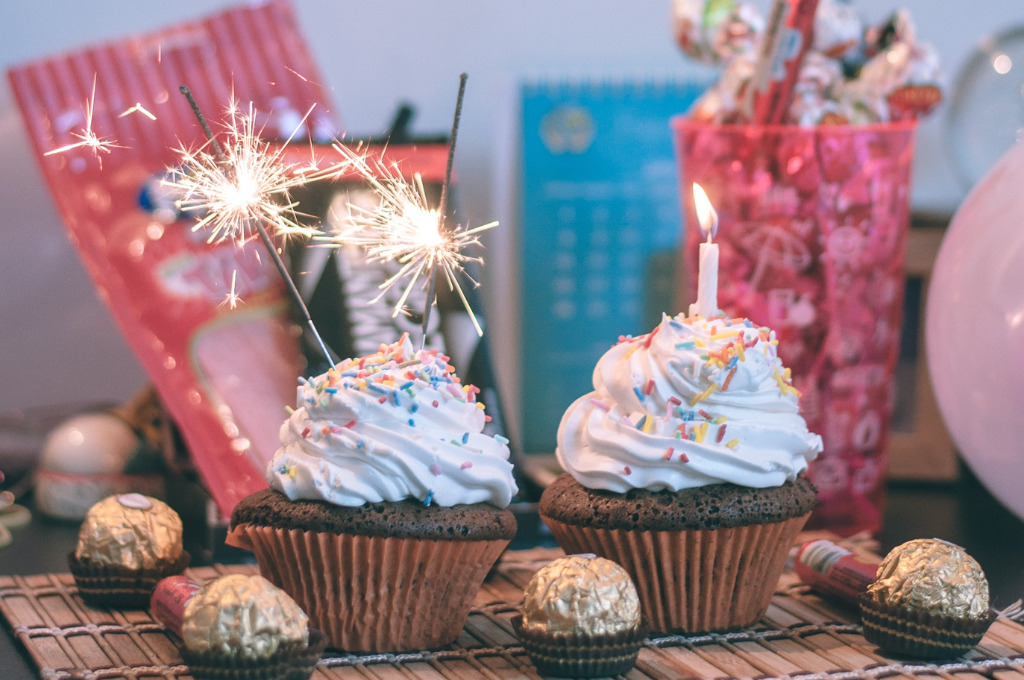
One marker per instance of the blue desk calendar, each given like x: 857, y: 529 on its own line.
x: 599, y: 231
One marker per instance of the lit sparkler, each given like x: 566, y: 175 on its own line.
x: 88, y: 137
x: 244, y: 189
x: 240, y: 185
x: 404, y: 229
x: 137, y: 108
x: 232, y: 299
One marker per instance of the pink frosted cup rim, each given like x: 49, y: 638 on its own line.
x: 684, y: 122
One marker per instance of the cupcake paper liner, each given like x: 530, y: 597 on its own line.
x: 694, y: 580
x: 290, y: 662
x: 375, y: 594
x: 580, y: 656
x: 112, y: 585
x: 904, y: 631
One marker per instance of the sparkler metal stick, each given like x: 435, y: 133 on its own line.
x: 442, y: 209
x: 259, y: 226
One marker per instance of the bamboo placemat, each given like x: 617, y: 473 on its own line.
x: 801, y: 636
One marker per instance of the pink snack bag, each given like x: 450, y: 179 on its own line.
x: 224, y: 374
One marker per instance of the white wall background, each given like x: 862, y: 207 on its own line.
x: 57, y: 341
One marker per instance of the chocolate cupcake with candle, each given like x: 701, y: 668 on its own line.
x: 685, y: 465
x: 388, y: 503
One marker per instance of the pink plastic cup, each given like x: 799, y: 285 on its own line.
x: 812, y: 233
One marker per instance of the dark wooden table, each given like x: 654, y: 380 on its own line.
x: 964, y: 513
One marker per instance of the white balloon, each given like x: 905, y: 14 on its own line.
x: 83, y: 461
x: 974, y: 330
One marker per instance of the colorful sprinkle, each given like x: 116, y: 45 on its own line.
x: 305, y: 432
x: 597, y: 403
x: 650, y: 387
x: 728, y: 378
x: 627, y: 470
x: 702, y: 431
x: 429, y: 499
x: 465, y: 437
x: 683, y: 457
x: 668, y: 453
x: 704, y: 395
x: 435, y: 469
x: 466, y: 465
x: 721, y: 434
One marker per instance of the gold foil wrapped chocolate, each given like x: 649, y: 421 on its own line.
x: 243, y: 615
x: 130, y: 530
x: 933, y: 576
x: 581, y: 594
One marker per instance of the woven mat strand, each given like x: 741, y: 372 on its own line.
x: 801, y: 636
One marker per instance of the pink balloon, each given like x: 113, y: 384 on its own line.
x: 974, y: 330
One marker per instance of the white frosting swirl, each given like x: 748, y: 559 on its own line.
x: 686, y: 405
x: 387, y: 427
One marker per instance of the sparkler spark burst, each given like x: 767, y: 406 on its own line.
x: 88, y: 137
x: 137, y: 108
x: 404, y: 229
x: 241, y: 184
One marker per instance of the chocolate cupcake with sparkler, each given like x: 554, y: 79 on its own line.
x: 384, y: 476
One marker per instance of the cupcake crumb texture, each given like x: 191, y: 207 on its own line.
x: 710, y: 507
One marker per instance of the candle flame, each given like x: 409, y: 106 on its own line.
x: 706, y: 215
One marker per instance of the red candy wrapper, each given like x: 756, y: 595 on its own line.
x: 169, y: 599
x: 834, y: 570
x: 772, y: 103
x: 225, y: 375
x: 813, y: 226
